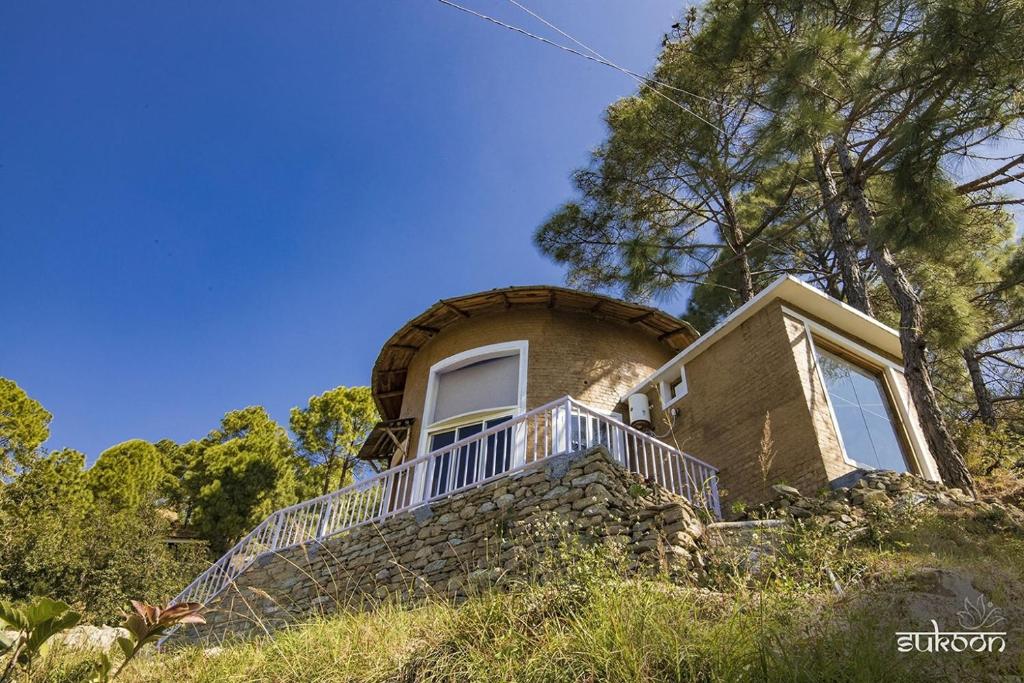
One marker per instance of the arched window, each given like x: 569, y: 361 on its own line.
x: 467, y: 394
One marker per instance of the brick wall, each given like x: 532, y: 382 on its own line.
x: 766, y: 365
x: 592, y: 360
x: 731, y: 385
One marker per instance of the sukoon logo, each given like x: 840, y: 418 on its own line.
x: 979, y: 621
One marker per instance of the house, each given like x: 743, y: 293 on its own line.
x: 826, y: 377
x: 479, y: 391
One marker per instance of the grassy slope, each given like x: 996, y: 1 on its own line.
x: 588, y: 623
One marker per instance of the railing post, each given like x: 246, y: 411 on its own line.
x: 427, y: 478
x: 388, y: 483
x: 516, y: 443
x: 562, y: 417
x: 277, y: 531
x: 715, y: 504
x: 325, y: 516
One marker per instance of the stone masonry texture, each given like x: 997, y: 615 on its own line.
x: 474, y: 540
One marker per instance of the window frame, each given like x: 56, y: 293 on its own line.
x: 452, y: 457
x: 915, y: 447
x: 902, y: 438
x: 468, y: 357
x: 919, y: 456
x: 672, y: 391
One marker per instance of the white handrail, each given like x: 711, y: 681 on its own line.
x: 560, y: 426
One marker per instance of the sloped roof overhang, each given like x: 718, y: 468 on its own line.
x: 390, y: 370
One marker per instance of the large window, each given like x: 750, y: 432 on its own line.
x: 474, y: 461
x: 868, y: 430
x: 467, y: 394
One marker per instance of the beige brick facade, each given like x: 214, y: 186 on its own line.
x: 763, y: 366
x: 731, y: 385
x: 593, y: 360
x: 759, y: 362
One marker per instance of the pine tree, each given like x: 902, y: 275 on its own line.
x: 128, y: 475
x: 239, y: 474
x: 24, y: 426
x: 898, y: 89
x: 330, y: 430
x: 677, y: 192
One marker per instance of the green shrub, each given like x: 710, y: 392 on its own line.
x: 57, y: 541
x: 987, y: 450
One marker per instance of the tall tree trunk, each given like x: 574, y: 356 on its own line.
x: 346, y: 465
x: 986, y: 409
x: 854, y: 285
x: 328, y: 468
x: 738, y: 243
x: 912, y: 341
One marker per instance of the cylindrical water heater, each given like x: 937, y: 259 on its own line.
x: 639, y: 412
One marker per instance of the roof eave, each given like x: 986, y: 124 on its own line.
x: 802, y: 296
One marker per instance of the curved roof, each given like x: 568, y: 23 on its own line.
x: 389, y: 372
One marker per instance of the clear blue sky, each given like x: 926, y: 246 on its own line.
x: 208, y: 205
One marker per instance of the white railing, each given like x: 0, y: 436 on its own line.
x: 558, y: 427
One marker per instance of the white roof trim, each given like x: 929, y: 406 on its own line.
x: 801, y: 295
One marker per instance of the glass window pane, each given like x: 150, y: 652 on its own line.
x: 888, y: 452
x: 464, y: 465
x: 466, y: 458
x: 439, y: 481
x: 863, y: 413
x: 442, y: 439
x: 499, y: 448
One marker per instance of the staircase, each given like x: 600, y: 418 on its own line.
x: 562, y: 426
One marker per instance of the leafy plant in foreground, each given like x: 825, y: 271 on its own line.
x: 35, y: 624
x: 146, y: 626
x: 43, y: 618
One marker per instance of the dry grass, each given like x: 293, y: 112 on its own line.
x: 590, y: 622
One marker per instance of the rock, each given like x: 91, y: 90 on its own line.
x: 787, y: 491
x: 505, y: 501
x: 586, y: 479
x: 87, y: 637
x: 875, y: 496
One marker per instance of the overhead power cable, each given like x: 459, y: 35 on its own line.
x: 639, y: 77
x: 595, y: 57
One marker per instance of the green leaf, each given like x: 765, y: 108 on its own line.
x: 136, y: 625
x: 43, y: 632
x: 11, y: 615
x: 43, y: 609
x: 101, y: 670
x: 127, y: 647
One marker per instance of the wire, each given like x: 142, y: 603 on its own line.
x: 598, y: 59
x: 638, y: 77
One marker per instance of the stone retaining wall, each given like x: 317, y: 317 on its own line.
x: 845, y: 509
x: 473, y: 540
